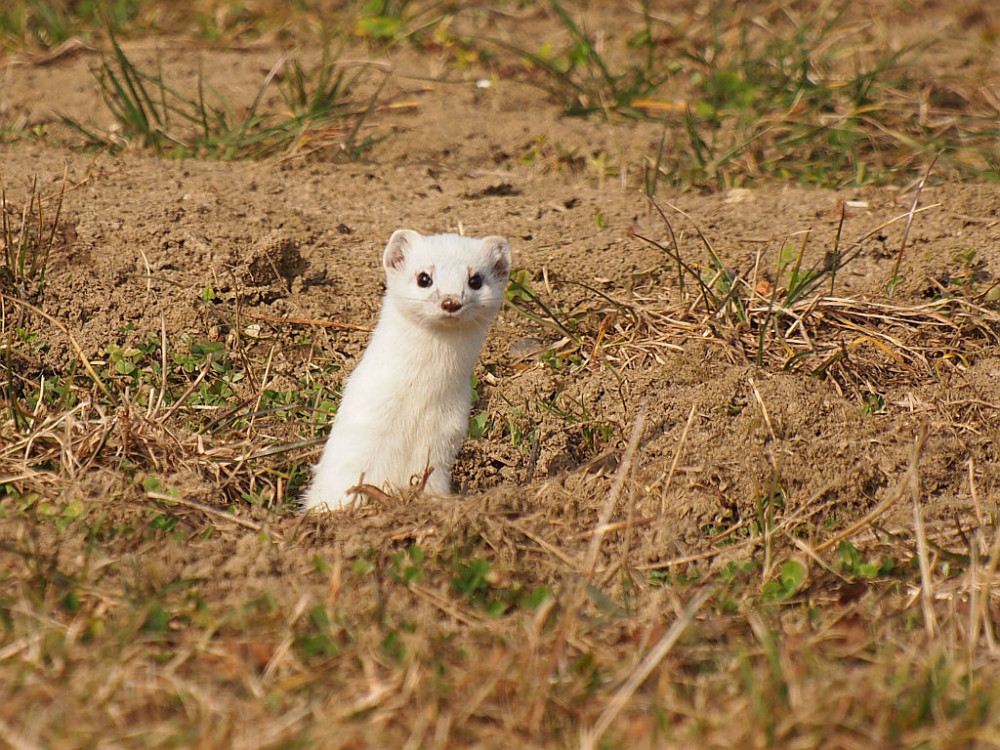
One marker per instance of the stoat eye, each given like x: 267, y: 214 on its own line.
x: 475, y: 281
x: 424, y: 280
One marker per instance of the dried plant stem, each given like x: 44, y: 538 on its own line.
x: 190, y: 389
x: 616, y: 526
x: 972, y: 491
x: 763, y: 409
x: 260, y: 391
x: 677, y: 456
x: 462, y: 614
x: 909, y: 220
x: 926, y: 582
x: 806, y: 510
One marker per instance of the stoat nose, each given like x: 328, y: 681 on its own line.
x: 450, y: 304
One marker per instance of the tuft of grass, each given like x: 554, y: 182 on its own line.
x: 151, y: 114
x: 581, y: 77
x: 28, y: 237
x: 777, y: 97
x: 796, y: 322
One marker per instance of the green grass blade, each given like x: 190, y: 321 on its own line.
x: 591, y: 53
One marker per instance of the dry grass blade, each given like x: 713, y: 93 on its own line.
x: 909, y: 222
x: 677, y: 456
x: 808, y: 510
x: 923, y: 558
x: 16, y: 739
x: 763, y: 408
x: 621, y: 476
x: 591, y: 737
x: 450, y: 608
x: 206, y: 509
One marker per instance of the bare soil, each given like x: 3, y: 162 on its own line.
x: 299, y: 239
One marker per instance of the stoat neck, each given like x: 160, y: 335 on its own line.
x: 437, y: 352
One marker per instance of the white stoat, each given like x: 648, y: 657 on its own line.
x: 405, y: 407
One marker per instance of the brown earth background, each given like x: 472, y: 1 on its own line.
x: 156, y: 585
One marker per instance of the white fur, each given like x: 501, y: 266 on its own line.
x: 406, y: 405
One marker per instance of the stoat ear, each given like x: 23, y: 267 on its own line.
x: 401, y: 242
x: 498, y: 251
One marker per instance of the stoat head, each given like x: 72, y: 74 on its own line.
x: 446, y: 280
